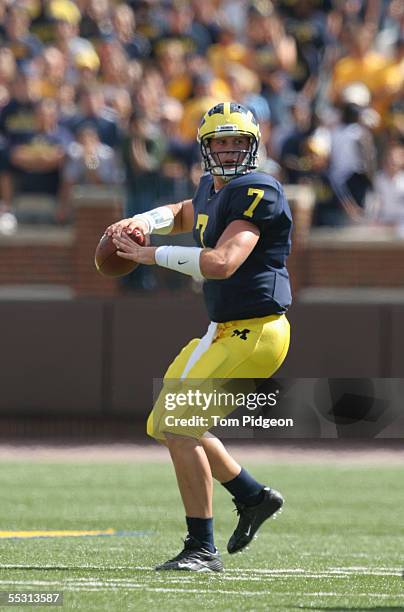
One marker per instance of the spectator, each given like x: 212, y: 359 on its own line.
x: 244, y: 87
x: 180, y: 26
x: 94, y: 113
x: 203, y: 98
x: 392, y: 82
x: 179, y: 151
x: 143, y: 151
x: 17, y: 117
x: 135, y: 75
x: 233, y: 13
x: 43, y: 22
x: 391, y: 28
x: 114, y: 67
x: 266, y: 36
x: 17, y: 127
x: 353, y: 159
x: 7, y: 74
x: 172, y: 112
x: 121, y: 105
x: 23, y: 45
x: 389, y: 187
x: 149, y: 19
x: 66, y: 96
x: 198, y: 66
x: 308, y: 28
x: 54, y: 68
x: 3, y: 11
x: 65, y: 11
x: 150, y: 95
x: 36, y: 164
x: 273, y: 57
x: 293, y: 149
x: 276, y: 88
x: 96, y: 22
x: 328, y: 209
x: 361, y: 63
x: 205, y: 15
x: 228, y: 49
x: 70, y: 43
x: 290, y: 62
x: 89, y: 162
x: 135, y: 45
x: 84, y: 69
x: 172, y: 65
x: 395, y: 120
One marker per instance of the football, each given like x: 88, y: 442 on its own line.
x: 108, y: 263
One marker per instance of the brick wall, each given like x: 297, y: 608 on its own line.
x: 37, y: 257
x: 94, y: 212
x: 301, y: 201
x: 50, y: 255
x: 354, y: 257
x: 330, y: 267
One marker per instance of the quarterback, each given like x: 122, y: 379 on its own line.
x: 241, y: 223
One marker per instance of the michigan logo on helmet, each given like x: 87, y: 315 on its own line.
x: 229, y: 119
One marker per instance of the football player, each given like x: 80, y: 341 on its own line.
x: 242, y: 224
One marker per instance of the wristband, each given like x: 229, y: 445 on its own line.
x: 159, y: 220
x: 182, y: 259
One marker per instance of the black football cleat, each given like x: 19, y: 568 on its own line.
x: 252, y: 517
x: 193, y: 558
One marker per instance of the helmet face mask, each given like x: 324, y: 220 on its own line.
x: 243, y: 160
x: 223, y: 120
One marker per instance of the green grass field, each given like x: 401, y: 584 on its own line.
x: 338, y: 545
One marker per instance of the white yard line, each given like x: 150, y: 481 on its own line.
x: 99, y: 585
x: 231, y: 573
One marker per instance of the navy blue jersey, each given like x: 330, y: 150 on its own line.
x: 260, y: 287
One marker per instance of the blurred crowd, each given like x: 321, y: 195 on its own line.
x: 105, y: 92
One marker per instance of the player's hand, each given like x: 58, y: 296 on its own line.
x: 128, y: 249
x: 127, y: 225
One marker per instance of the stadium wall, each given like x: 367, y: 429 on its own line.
x: 51, y: 255
x: 99, y: 356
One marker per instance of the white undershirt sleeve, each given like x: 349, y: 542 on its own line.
x: 182, y: 259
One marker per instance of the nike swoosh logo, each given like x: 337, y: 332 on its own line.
x: 187, y: 565
x: 247, y: 533
x: 180, y: 263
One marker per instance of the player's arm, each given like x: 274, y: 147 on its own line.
x: 183, y: 217
x: 250, y: 209
x: 232, y: 249
x: 170, y: 219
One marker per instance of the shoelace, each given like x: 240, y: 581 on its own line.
x: 188, y: 548
x: 181, y: 554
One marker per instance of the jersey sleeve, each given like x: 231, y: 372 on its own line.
x: 258, y: 203
x: 203, y: 187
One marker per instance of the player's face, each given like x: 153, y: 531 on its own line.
x: 225, y: 150
x: 228, y: 155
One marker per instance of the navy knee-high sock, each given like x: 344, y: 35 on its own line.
x: 202, y: 530
x: 245, y: 488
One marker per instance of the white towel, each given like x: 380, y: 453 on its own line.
x: 202, y: 347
